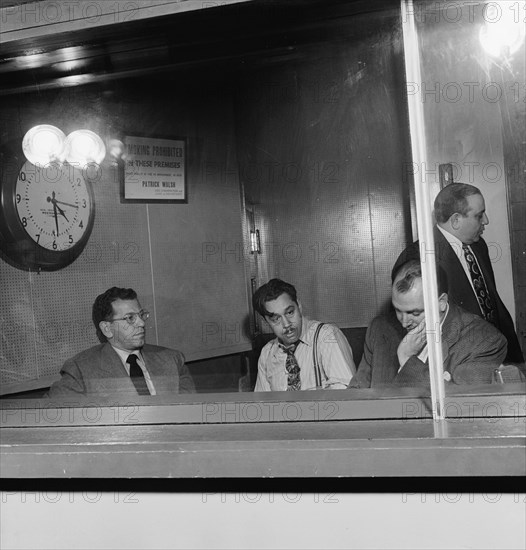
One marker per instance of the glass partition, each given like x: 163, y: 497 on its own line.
x: 472, y: 119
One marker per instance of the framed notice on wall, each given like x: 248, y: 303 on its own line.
x: 154, y: 170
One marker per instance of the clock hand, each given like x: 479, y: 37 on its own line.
x: 55, y: 214
x: 60, y: 211
x: 56, y: 208
x: 67, y: 204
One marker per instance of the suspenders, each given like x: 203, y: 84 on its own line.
x: 317, y: 369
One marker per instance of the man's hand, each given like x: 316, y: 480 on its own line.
x: 412, y: 343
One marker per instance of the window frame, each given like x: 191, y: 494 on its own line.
x: 212, y: 435
x: 275, y: 434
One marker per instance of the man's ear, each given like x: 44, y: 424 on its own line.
x: 300, y: 307
x: 454, y: 220
x: 105, y: 328
x: 442, y: 302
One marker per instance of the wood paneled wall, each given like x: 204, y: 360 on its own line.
x: 323, y: 148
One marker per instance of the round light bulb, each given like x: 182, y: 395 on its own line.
x: 43, y: 144
x: 84, y: 147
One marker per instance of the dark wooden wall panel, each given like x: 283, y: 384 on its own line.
x: 322, y: 147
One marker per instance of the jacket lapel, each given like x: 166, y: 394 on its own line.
x: 111, y: 378
x: 460, y: 290
x: 451, y: 330
x: 111, y: 363
x: 390, y: 361
x: 162, y: 369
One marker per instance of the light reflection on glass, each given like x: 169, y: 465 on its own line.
x: 503, y: 31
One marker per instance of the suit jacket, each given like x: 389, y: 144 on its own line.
x: 99, y: 371
x: 472, y: 349
x: 461, y: 291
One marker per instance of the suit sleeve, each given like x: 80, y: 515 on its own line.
x: 362, y: 378
x: 186, y: 382
x: 71, y: 382
x: 476, y: 364
x: 476, y: 354
x: 414, y: 373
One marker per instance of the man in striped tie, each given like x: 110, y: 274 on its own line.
x: 306, y: 354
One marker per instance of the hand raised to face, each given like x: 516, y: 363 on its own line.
x: 412, y: 343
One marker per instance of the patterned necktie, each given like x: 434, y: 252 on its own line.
x: 293, y: 369
x: 479, y: 284
x: 137, y: 375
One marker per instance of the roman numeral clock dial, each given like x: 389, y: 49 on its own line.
x: 48, y: 215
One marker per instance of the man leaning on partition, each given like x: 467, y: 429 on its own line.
x: 462, y: 252
x: 395, y: 350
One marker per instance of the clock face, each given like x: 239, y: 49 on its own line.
x: 46, y: 212
x: 53, y: 204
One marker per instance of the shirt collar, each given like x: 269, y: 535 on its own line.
x: 306, y: 337
x: 123, y: 354
x: 445, y: 315
x: 307, y: 334
x: 455, y: 242
x: 423, y: 355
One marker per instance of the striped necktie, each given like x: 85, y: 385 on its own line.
x: 292, y: 367
x: 137, y: 376
x: 479, y: 284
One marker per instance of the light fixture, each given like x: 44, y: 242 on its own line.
x: 84, y: 147
x: 504, y: 30
x: 255, y: 245
x: 116, y: 149
x: 43, y: 144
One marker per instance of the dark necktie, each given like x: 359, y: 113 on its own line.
x: 292, y: 367
x: 137, y: 375
x: 479, y: 284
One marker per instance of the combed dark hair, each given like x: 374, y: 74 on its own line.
x: 103, y: 309
x: 412, y: 270
x: 270, y: 291
x: 453, y: 199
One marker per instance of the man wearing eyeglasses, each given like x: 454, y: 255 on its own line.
x: 288, y: 363
x: 122, y: 363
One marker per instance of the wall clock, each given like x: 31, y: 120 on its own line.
x: 46, y: 213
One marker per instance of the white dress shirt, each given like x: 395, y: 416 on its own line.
x: 123, y: 354
x: 334, y: 358
x: 423, y: 355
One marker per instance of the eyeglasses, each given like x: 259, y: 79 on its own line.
x: 131, y: 318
